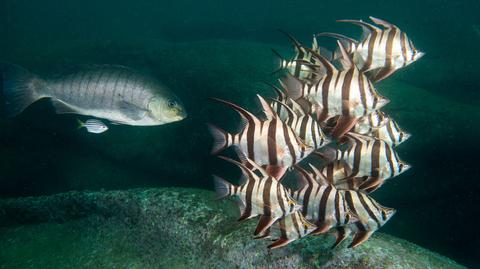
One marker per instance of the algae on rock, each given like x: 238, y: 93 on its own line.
x: 171, y: 228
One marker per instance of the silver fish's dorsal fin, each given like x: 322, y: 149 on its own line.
x: 383, y: 23
x: 266, y: 108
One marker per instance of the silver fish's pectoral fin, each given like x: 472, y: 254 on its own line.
x: 131, y: 111
x: 62, y: 107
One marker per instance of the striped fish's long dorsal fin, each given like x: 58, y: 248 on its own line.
x: 246, y: 116
x: 318, y: 176
x: 247, y: 174
x: 346, y: 61
x: 340, y: 37
x: 255, y: 167
x: 366, y: 27
x: 383, y: 23
x: 279, y: 92
x: 303, y: 177
x: 347, y: 42
x: 298, y: 46
x: 323, y: 66
x: 266, y: 108
x: 297, y: 108
x: 290, y: 112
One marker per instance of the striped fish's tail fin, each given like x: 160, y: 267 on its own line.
x: 223, y: 188
x: 20, y: 88
x: 222, y: 139
x: 80, y: 124
x: 284, y: 63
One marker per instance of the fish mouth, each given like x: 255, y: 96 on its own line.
x: 406, y: 167
x: 406, y: 136
x: 382, y: 102
x: 419, y: 55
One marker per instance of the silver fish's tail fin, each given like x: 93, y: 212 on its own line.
x: 222, y: 139
x: 19, y: 88
x: 222, y: 187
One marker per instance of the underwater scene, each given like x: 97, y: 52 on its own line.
x: 252, y: 134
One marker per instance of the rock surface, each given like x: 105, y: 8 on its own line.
x: 171, y: 228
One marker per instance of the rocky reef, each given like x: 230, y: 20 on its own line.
x: 171, y: 228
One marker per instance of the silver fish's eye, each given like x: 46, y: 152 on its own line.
x: 172, y: 104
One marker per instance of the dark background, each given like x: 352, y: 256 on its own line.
x: 222, y: 49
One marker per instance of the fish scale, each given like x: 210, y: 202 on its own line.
x: 115, y: 93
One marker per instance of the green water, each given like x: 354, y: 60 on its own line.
x: 222, y: 48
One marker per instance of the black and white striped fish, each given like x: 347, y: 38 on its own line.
x: 298, y: 66
x: 322, y: 203
x: 281, y: 97
x: 382, y: 51
x: 371, y: 122
x: 304, y: 125
x: 271, y: 142
x: 387, y: 129
x: 116, y: 93
x: 365, y: 163
x: 93, y: 126
x: 259, y: 195
x: 371, y: 214
x: 288, y: 229
x: 346, y: 93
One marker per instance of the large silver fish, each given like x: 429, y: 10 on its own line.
x: 115, y: 93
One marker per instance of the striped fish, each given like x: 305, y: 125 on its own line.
x: 372, y: 216
x: 365, y: 164
x: 381, y: 126
x: 346, y: 93
x: 304, y: 125
x: 382, y: 51
x: 322, y: 203
x: 93, y: 126
x: 270, y: 143
x: 288, y: 229
x: 297, y: 66
x: 370, y: 122
x: 281, y: 97
x: 262, y: 196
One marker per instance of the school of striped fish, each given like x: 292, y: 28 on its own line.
x: 325, y: 129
